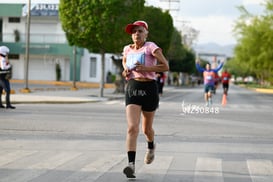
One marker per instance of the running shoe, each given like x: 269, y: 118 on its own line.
x: 149, y: 156
x: 129, y: 170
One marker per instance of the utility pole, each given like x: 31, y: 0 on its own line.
x: 170, y: 2
x: 74, y: 87
x: 26, y: 89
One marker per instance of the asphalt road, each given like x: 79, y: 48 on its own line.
x: 86, y: 142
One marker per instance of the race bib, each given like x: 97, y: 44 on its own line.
x: 132, y: 59
x: 209, y: 77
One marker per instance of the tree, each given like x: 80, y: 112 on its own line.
x: 98, y: 25
x: 160, y: 26
x: 176, y: 50
x: 181, y: 59
x: 254, y: 53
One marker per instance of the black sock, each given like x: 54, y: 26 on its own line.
x: 151, y: 145
x: 131, y: 156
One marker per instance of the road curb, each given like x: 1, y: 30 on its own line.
x: 66, y: 83
x: 260, y: 90
x: 264, y: 90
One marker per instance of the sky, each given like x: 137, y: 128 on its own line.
x: 32, y: 1
x: 213, y: 19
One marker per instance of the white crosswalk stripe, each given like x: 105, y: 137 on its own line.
x: 260, y: 170
x: 37, y: 169
x: 71, y: 166
x: 208, y: 169
x: 95, y: 169
x: 13, y: 155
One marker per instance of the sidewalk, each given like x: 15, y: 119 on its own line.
x: 65, y: 96
x: 60, y: 92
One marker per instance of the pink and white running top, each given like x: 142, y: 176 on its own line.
x: 144, y: 55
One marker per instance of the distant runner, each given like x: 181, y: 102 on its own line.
x: 225, y: 81
x: 209, y: 79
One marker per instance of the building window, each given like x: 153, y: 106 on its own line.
x: 14, y: 20
x: 93, y: 66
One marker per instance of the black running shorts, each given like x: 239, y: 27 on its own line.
x: 144, y: 94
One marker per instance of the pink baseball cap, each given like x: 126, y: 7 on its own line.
x: 129, y: 27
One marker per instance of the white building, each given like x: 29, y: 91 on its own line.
x: 48, y: 46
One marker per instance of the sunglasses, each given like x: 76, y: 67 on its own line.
x: 3, y: 55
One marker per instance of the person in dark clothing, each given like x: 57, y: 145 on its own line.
x: 5, y: 69
x: 160, y: 79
